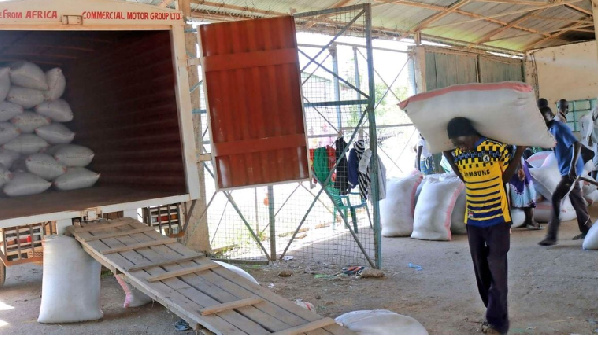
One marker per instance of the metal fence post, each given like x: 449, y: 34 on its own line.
x: 272, y: 234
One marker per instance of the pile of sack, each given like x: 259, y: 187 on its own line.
x: 36, y: 149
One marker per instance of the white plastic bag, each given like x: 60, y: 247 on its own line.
x: 397, y: 211
x: 4, y: 82
x: 505, y: 111
x: 25, y: 184
x: 591, y: 239
x: 5, y: 175
x: 26, y: 144
x: 45, y: 166
x: 55, y: 133
x: 28, y: 121
x: 25, y: 97
x: 8, y: 132
x: 536, y: 160
x: 27, y: 74
x: 74, y: 155
x: 238, y: 271
x: 7, y: 157
x: 57, y: 110
x: 433, y: 213
x: 517, y: 216
x: 380, y: 322
x: 8, y: 110
x: 75, y: 178
x: 56, y: 83
x: 71, y: 283
x: 133, y: 297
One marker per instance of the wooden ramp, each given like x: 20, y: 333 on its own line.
x: 206, y: 295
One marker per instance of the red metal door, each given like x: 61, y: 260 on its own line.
x: 252, y: 87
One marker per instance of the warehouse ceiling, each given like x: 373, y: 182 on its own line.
x: 510, y: 26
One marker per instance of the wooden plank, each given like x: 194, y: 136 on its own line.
x: 338, y: 330
x: 318, y: 331
x: 307, y: 327
x: 166, y: 262
x: 118, y: 234
x: 233, y: 305
x: 101, y: 227
x: 182, y: 272
x: 139, y: 245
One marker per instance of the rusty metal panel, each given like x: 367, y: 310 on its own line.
x: 252, y: 84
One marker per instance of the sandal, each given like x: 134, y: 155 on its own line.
x: 534, y: 227
x: 579, y: 236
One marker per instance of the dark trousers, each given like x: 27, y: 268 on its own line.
x: 489, y: 250
x: 561, y: 191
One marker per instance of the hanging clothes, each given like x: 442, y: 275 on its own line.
x: 359, y: 171
x: 341, y: 179
x: 353, y: 167
x: 364, y: 181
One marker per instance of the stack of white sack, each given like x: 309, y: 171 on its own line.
x: 36, y: 149
x: 505, y: 111
x: 397, y: 209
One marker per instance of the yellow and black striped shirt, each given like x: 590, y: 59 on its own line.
x: 482, y: 169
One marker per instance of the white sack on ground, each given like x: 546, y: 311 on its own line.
x: 25, y: 184
x: 505, y: 111
x: 75, y: 178
x: 56, y: 84
x: 543, y: 211
x: 7, y: 157
x: 71, y: 283
x: 45, y: 166
x: 55, y: 133
x: 5, y: 175
x: 26, y: 144
x: 28, y: 75
x: 133, y: 297
x: 28, y: 121
x: 380, y: 322
x: 74, y: 155
x: 517, y: 216
x: 25, y: 97
x: 591, y: 239
x: 4, y: 82
x: 8, y: 132
x: 433, y: 213
x: 398, y: 206
x: 57, y: 110
x: 238, y: 270
x: 8, y: 110
x: 457, y: 223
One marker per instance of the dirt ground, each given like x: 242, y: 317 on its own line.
x: 551, y: 290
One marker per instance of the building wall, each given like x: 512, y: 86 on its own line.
x: 569, y: 72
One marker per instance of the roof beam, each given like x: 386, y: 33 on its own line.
x: 438, y: 16
x: 509, y: 25
x: 552, y: 36
x: 525, y: 2
x: 578, y: 9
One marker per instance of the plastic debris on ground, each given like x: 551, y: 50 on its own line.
x: 416, y: 267
x: 182, y: 325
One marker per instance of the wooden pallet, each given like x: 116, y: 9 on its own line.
x: 206, y: 295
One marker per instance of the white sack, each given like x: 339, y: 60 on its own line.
x: 397, y: 208
x: 518, y: 217
x: 8, y: 132
x: 536, y: 160
x: 26, y: 144
x: 45, y: 166
x: 543, y: 211
x: 25, y: 184
x: 591, y: 239
x: 4, y: 82
x: 7, y: 157
x: 457, y: 223
x: 5, y: 175
x: 71, y: 283
x: 8, y: 110
x: 76, y: 177
x: 380, y: 322
x: 25, y: 97
x: 28, y: 121
x: 74, y: 155
x: 133, y: 297
x: 434, y: 209
x: 57, y: 110
x: 56, y: 84
x: 505, y: 111
x: 55, y: 133
x: 238, y: 271
x: 27, y: 74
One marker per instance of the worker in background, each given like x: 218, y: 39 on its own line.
x: 541, y: 103
x: 567, y: 152
x: 424, y: 157
x: 485, y: 165
x: 563, y: 110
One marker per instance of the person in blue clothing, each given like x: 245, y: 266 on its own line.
x: 567, y: 151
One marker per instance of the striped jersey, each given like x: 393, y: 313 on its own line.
x: 482, y: 169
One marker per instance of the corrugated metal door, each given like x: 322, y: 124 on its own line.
x: 252, y: 83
